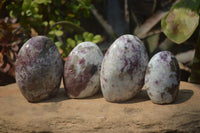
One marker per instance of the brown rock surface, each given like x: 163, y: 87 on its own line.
x: 94, y: 114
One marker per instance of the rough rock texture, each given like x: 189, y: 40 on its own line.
x: 82, y: 70
x: 123, y: 69
x: 39, y: 69
x: 94, y: 114
x: 162, y: 78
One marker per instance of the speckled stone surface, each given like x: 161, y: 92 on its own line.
x: 162, y: 78
x: 82, y: 70
x: 39, y: 69
x: 123, y: 69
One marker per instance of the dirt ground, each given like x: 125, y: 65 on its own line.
x: 94, y: 114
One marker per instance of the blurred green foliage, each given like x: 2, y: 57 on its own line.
x: 41, y: 14
x: 43, y: 17
x: 78, y: 38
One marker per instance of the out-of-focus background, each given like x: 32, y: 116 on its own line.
x: 69, y: 22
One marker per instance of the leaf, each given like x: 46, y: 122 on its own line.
x: 153, y: 42
x: 79, y: 42
x: 71, y: 42
x: 51, y: 22
x: 45, y: 23
x: 58, y: 33
x: 70, y: 15
x: 58, y: 44
x: 11, y: 14
x: 96, y: 39
x: 42, y: 1
x: 181, y: 21
x: 89, y: 37
x: 78, y: 38
x: 85, y: 34
x: 26, y: 4
x: 28, y: 13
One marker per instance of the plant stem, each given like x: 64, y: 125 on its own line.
x: 70, y: 24
x: 195, y: 74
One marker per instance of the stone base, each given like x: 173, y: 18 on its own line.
x: 94, y: 114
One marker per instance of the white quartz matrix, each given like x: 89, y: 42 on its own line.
x: 82, y: 70
x: 123, y: 69
x: 162, y: 78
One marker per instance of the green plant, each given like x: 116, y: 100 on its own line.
x: 78, y: 38
x: 56, y: 19
x: 179, y: 24
x: 41, y: 14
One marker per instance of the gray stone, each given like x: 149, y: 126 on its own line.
x: 38, y: 69
x: 123, y: 69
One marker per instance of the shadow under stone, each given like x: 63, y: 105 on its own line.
x: 60, y: 96
x: 183, y: 96
x: 142, y: 96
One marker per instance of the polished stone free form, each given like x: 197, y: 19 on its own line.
x: 39, y: 69
x: 82, y: 70
x: 123, y: 69
x: 162, y: 78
